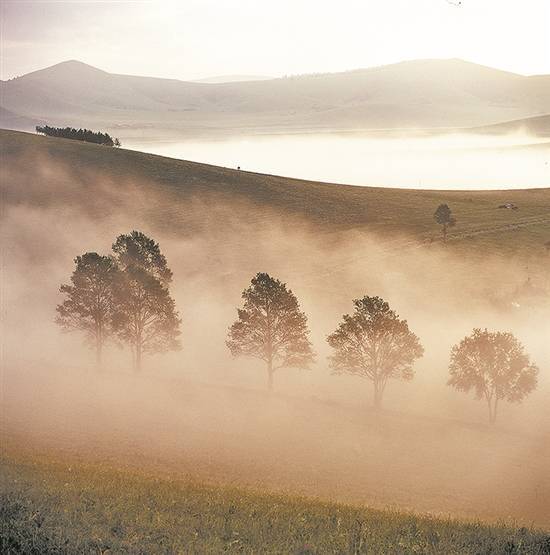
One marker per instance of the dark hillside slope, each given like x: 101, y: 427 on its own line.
x: 327, y: 207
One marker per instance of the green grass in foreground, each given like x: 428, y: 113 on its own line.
x: 48, y: 507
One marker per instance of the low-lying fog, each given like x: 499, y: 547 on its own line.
x: 201, y: 413
x: 445, y: 161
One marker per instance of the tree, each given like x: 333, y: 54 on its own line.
x: 89, y: 303
x: 375, y: 344
x: 87, y: 135
x: 271, y: 327
x: 495, y: 366
x: 443, y: 216
x: 145, y: 314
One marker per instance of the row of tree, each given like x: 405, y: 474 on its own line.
x: 86, y: 135
x: 126, y: 295
x: 375, y: 344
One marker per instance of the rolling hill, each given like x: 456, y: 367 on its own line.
x: 414, y: 94
x: 176, y: 184
x: 232, y: 78
x: 538, y: 125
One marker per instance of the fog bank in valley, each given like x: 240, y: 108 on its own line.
x: 201, y: 413
x: 427, y: 160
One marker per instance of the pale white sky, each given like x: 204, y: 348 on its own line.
x: 188, y: 39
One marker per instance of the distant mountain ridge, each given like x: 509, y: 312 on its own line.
x: 412, y: 94
x: 216, y: 79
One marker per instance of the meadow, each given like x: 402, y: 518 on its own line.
x: 52, y: 507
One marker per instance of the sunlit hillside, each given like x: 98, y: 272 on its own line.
x: 482, y: 227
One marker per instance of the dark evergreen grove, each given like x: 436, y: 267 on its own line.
x: 86, y: 135
x: 125, y: 296
x: 271, y: 327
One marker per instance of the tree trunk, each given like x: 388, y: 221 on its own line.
x: 493, y: 411
x: 98, y: 352
x: 444, y: 233
x: 270, y: 375
x: 492, y: 404
x: 377, y: 395
x: 137, y: 366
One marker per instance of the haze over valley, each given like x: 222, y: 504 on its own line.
x: 331, y: 243
x: 275, y: 277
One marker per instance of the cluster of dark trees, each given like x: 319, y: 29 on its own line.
x: 87, y: 135
x: 126, y: 296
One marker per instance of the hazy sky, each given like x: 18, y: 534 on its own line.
x: 188, y: 39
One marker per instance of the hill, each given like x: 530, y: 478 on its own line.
x: 232, y: 78
x: 414, y: 94
x: 538, y: 125
x: 10, y: 120
x: 482, y: 227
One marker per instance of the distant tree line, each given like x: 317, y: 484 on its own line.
x: 125, y: 296
x: 87, y: 135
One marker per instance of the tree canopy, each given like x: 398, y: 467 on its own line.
x: 145, y: 314
x: 271, y: 327
x: 444, y: 217
x: 373, y: 343
x: 87, y: 135
x: 495, y: 366
x: 89, y: 303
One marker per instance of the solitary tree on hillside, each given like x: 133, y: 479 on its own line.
x: 443, y: 216
x: 375, y: 344
x: 89, y: 303
x: 271, y: 327
x: 495, y: 366
x: 145, y: 314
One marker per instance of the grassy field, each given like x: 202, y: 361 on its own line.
x: 482, y: 228
x: 49, y: 507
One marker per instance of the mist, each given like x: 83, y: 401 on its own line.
x: 200, y: 414
x: 428, y: 160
